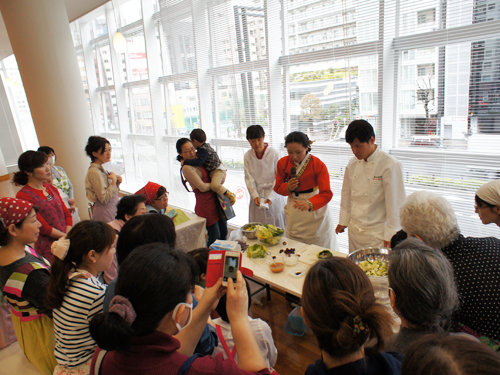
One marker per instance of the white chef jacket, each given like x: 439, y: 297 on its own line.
x: 260, y: 177
x: 372, y: 193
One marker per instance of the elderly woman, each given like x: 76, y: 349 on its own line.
x: 488, y: 202
x: 475, y: 261
x: 156, y: 197
x: 422, y: 292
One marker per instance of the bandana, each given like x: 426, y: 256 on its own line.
x: 149, y: 191
x: 490, y: 192
x: 13, y: 210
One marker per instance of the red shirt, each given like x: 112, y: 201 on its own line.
x: 315, y: 175
x: 45, y: 229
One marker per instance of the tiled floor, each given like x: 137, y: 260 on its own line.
x: 13, y: 362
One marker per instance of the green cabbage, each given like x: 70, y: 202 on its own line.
x: 256, y: 251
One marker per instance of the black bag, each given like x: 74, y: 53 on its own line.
x: 226, y: 210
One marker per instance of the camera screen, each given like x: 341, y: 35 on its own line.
x: 230, y: 268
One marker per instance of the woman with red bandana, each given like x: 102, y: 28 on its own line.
x: 156, y: 197
x: 24, y: 276
x: 55, y: 218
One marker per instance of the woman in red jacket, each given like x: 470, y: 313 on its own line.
x: 55, y: 218
x: 308, y: 190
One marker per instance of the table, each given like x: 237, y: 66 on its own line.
x: 191, y: 234
x: 284, y: 281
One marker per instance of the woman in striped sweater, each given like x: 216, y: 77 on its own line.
x: 24, y: 276
x: 75, y: 294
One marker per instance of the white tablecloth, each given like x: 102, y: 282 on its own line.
x: 286, y: 280
x: 191, y: 233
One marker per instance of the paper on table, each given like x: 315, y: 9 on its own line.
x: 308, y: 254
x: 112, y: 168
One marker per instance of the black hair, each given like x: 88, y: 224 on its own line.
x: 400, y: 236
x: 298, y: 137
x: 360, y: 129
x: 198, y: 135
x: 5, y: 237
x: 95, y: 144
x: 255, y: 131
x: 221, y: 306
x: 128, y: 205
x: 481, y: 203
x: 178, y: 145
x: 200, y: 256
x: 161, y: 190
x: 142, y: 230
x: 84, y: 237
x: 166, y: 278
x: 46, y: 150
x: 27, y: 162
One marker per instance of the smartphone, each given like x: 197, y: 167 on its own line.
x: 231, y: 265
x: 172, y: 213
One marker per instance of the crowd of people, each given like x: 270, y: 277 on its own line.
x: 113, y: 295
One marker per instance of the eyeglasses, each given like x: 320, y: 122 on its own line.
x: 189, y: 150
x: 164, y: 197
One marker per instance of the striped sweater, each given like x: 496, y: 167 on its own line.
x: 83, y: 300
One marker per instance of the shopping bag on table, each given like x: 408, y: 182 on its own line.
x: 226, y: 209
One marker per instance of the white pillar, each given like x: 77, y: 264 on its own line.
x: 41, y: 39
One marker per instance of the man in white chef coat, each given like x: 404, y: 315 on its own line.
x: 372, y: 192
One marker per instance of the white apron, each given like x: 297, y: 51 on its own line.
x: 314, y: 228
x: 260, y: 177
x: 361, y: 238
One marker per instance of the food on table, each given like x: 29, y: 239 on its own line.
x: 291, y: 259
x: 251, y: 227
x: 374, y: 267
x: 325, y: 254
x: 288, y: 251
x: 243, y: 245
x: 278, y: 267
x: 256, y: 251
x: 284, y: 242
x: 269, y: 234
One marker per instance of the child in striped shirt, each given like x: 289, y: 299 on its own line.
x: 75, y: 294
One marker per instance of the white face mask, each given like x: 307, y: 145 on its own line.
x: 174, y: 315
x: 51, y: 160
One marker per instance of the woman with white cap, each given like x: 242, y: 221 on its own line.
x: 488, y: 202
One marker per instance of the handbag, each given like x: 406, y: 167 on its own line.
x: 226, y: 210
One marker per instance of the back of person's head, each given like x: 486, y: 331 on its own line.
x: 360, y: 129
x: 144, y: 229
x: 400, y: 236
x: 166, y: 277
x: 128, y: 205
x: 221, y: 306
x: 431, y: 217
x: 46, y: 150
x: 200, y: 256
x: 84, y: 237
x: 26, y: 163
x: 339, y: 306
x: 255, y: 131
x: 423, y: 283
x: 450, y: 355
x: 298, y: 137
x: 198, y: 135
x: 95, y: 144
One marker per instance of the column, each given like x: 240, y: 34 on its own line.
x: 6, y: 189
x: 41, y: 40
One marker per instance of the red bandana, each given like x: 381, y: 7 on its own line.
x: 149, y: 191
x: 13, y: 210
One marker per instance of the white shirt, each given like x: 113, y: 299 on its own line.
x: 263, y: 336
x: 260, y: 174
x: 372, y: 193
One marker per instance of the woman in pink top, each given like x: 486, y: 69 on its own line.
x: 55, y: 218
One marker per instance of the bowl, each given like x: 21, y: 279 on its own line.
x: 291, y: 259
x: 250, y: 234
x: 278, y: 267
x: 371, y: 254
x: 270, y: 241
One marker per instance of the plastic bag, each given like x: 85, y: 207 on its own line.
x: 236, y: 235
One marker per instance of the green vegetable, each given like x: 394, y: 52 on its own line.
x: 269, y: 234
x: 325, y: 254
x: 275, y: 231
x: 374, y: 268
x: 256, y: 251
x: 251, y: 227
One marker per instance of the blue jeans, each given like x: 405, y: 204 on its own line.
x: 217, y: 231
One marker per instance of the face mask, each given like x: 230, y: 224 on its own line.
x: 174, y: 315
x: 52, y: 160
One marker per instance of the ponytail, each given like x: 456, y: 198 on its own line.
x: 27, y: 162
x: 20, y: 178
x: 111, y: 332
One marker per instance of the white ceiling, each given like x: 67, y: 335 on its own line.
x: 74, y: 8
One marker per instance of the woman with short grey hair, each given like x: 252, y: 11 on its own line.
x: 422, y: 292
